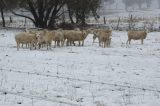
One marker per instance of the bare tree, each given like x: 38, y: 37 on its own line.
x: 44, y: 12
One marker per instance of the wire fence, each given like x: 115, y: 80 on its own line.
x: 116, y: 22
x: 5, y: 92
x: 82, y: 80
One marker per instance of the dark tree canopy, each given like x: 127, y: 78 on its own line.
x: 44, y: 13
x: 81, y: 9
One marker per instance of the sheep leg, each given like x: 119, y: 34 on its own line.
x: 47, y: 46
x: 79, y: 43
x: 43, y: 45
x: 83, y: 43
x: 18, y: 45
x: 72, y: 42
x: 94, y: 40
x: 67, y: 43
x: 39, y: 46
x: 58, y: 43
x: 129, y: 41
x: 22, y: 45
x: 109, y: 42
x: 55, y: 42
x: 105, y: 44
x: 27, y: 45
x: 50, y: 46
x: 30, y: 46
x: 99, y: 42
x: 35, y: 46
x: 62, y: 42
x: 94, y: 37
x: 142, y: 41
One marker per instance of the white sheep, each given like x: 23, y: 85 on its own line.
x: 58, y: 37
x: 45, y: 37
x: 97, y: 31
x: 75, y: 35
x: 104, y: 39
x: 136, y: 35
x: 26, y: 38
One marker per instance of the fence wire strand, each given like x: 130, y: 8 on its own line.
x: 81, y: 80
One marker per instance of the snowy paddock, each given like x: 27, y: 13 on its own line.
x: 122, y: 75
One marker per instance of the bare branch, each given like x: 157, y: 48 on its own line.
x: 17, y: 13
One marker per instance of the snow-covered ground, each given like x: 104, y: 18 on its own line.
x: 81, y: 76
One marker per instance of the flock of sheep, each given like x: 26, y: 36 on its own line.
x: 44, y: 38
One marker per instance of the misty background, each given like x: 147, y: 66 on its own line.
x: 110, y: 6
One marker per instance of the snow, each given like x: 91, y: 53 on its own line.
x: 122, y: 75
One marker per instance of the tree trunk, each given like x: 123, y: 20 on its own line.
x: 51, y: 23
x: 70, y: 16
x: 3, y: 19
x: 83, y: 18
x: 77, y: 17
